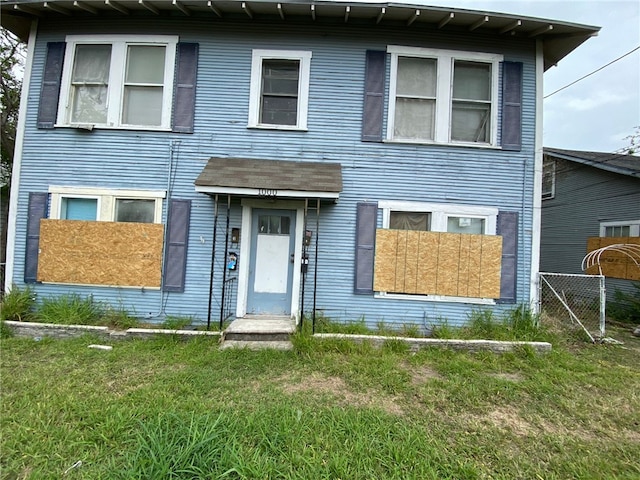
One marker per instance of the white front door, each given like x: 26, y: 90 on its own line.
x: 271, y: 262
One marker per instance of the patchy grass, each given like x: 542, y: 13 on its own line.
x: 173, y: 322
x: 70, y: 309
x: 170, y: 409
x: 517, y: 324
x: 18, y: 304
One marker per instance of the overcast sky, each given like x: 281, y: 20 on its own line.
x: 598, y: 112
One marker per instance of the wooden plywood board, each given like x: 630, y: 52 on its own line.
x: 474, y: 260
x: 100, y: 253
x: 490, y: 264
x: 615, y: 264
x: 427, y: 267
x: 401, y: 259
x: 463, y: 265
x: 411, y: 262
x: 433, y: 263
x: 384, y: 278
x: 448, y: 264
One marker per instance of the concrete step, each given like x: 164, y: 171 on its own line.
x: 256, y: 336
x: 260, y: 329
x: 256, y: 345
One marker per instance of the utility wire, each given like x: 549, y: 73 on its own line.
x: 595, y: 71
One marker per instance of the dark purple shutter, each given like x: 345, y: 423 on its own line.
x: 508, y: 227
x: 512, y: 106
x: 36, y: 210
x: 184, y: 99
x: 367, y: 215
x: 50, y: 91
x: 175, y: 260
x: 373, y: 111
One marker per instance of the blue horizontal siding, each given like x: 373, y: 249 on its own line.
x: 133, y: 159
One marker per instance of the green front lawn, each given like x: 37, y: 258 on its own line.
x: 169, y: 409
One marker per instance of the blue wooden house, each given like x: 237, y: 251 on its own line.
x: 219, y: 159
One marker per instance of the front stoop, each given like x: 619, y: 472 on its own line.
x: 259, y: 332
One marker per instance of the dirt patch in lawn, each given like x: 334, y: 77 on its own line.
x: 422, y: 373
x: 510, y: 420
x: 338, y: 388
x: 510, y: 377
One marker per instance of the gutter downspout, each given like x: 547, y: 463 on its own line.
x: 17, y: 159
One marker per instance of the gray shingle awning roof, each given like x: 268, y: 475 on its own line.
x: 270, y: 178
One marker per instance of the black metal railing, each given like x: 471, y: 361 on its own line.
x: 227, y: 307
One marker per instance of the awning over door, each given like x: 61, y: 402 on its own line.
x: 270, y: 178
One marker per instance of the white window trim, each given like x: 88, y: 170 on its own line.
x: 256, y: 87
x: 444, y: 91
x: 634, y: 227
x: 106, y: 200
x: 439, y: 214
x: 115, y: 93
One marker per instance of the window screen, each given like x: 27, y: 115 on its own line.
x: 139, y: 211
x: 415, y: 98
x: 279, y: 102
x: 471, y: 105
x: 90, y: 83
x: 143, y: 87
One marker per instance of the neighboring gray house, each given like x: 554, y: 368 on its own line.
x: 586, y: 195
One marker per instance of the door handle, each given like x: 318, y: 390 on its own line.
x: 293, y: 258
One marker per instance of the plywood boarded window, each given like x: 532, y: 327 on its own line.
x: 437, y: 263
x: 100, y: 253
x: 614, y: 264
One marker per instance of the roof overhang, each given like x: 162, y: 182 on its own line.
x: 558, y: 38
x: 612, y: 162
x: 243, y: 177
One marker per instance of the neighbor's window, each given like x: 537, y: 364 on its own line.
x: 398, y: 215
x: 443, y: 96
x: 105, y: 204
x: 620, y: 229
x: 279, y: 89
x: 118, y: 81
x: 548, y: 178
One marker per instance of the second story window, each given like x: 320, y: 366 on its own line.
x: 443, y: 96
x: 279, y: 89
x: 115, y: 81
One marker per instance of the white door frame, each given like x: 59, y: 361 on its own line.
x: 248, y: 204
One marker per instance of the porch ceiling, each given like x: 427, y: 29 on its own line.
x: 270, y: 178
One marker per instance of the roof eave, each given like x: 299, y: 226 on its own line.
x: 558, y: 38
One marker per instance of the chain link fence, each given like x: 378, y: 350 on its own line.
x: 575, y: 301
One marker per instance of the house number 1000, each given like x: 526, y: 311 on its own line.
x: 267, y: 192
